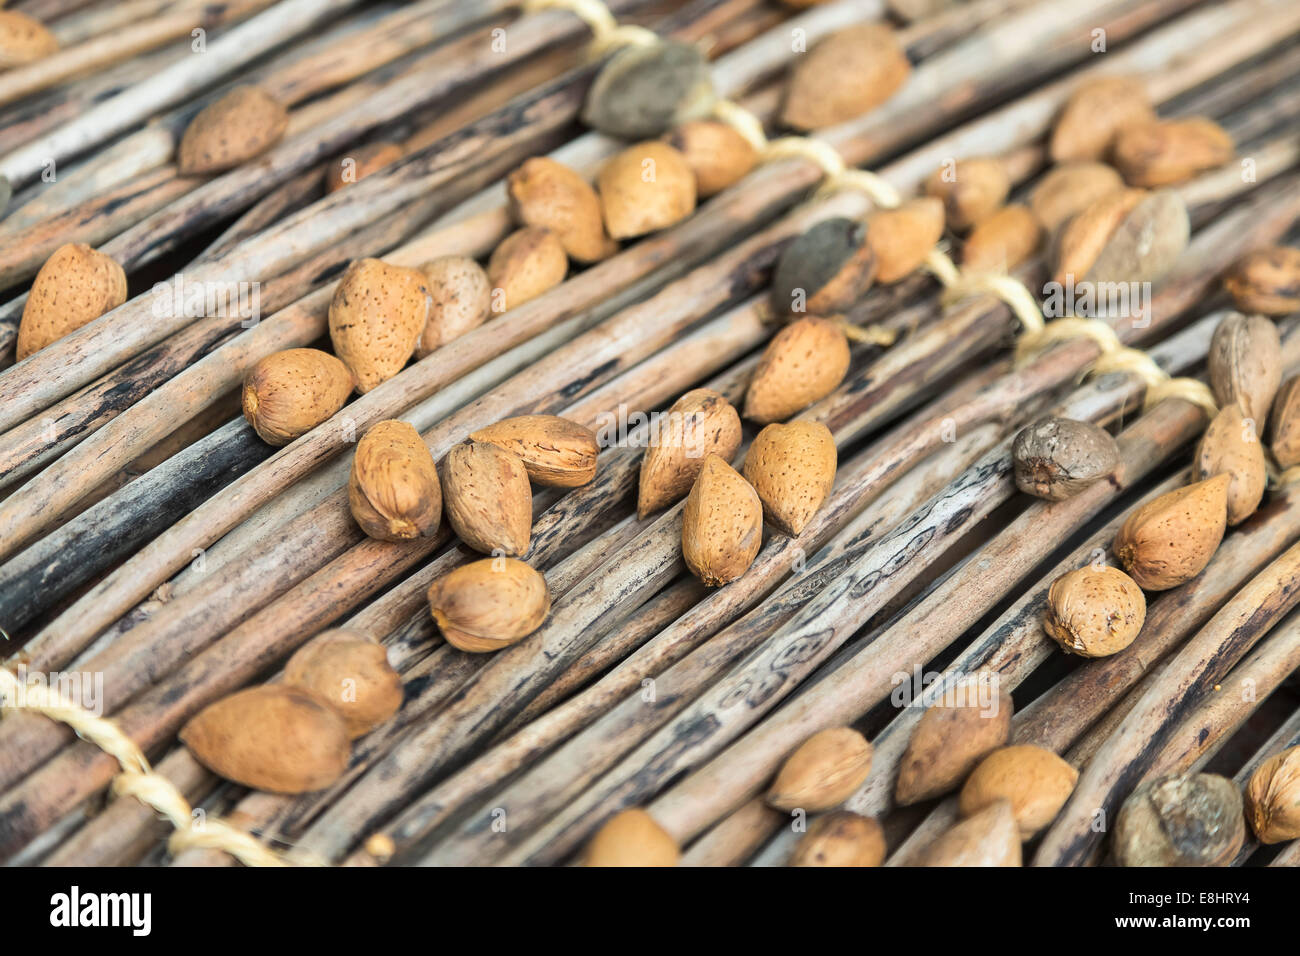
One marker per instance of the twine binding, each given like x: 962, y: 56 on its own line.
x: 137, y: 779
x: 606, y: 32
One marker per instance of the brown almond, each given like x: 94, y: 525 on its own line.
x: 792, y: 467
x: 952, y: 736
x: 1266, y: 281
x: 823, y: 772
x: 461, y: 301
x: 842, y: 838
x: 1056, y: 458
x: 488, y: 499
x: 1273, y: 798
x: 1169, y: 152
x: 825, y: 269
x: 631, y: 838
x: 376, y: 316
x: 970, y: 189
x: 645, y: 188
x: 270, y: 737
x: 1169, y: 540
x: 393, y: 488
x: 524, y: 265
x: 1147, y: 243
x: 549, y: 195
x: 1094, y: 115
x: 700, y: 423
x: 556, y: 452
x: 1069, y: 189
x: 1002, y: 240
x: 717, y: 154
x: 75, y: 286
x: 1083, y: 238
x: 239, y: 126
x: 1035, y: 780
x: 288, y: 393
x: 360, y: 163
x: 902, y: 238
x: 350, y: 674
x: 23, y: 39
x: 1285, y: 427
x: 489, y: 604
x: 1094, y: 611
x: 1194, y: 819
x: 1245, y: 365
x: 804, y: 362
x: 848, y: 73
x: 643, y: 89
x: 1230, y: 446
x: 987, y: 838
x: 722, y: 524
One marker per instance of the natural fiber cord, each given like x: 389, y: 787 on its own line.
x: 137, y: 778
x: 606, y: 33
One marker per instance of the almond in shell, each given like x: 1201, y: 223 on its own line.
x: 1094, y: 611
x: 1273, y: 798
x: 461, y: 300
x: 1056, y: 458
x: 631, y: 838
x: 700, y: 423
x: 803, y: 363
x: 792, y: 467
x: 1169, y: 540
x: 823, y: 772
x: 1266, y: 281
x: 902, y: 238
x: 270, y: 737
x: 722, y: 524
x: 825, y: 269
x: 987, y: 838
x: 645, y: 188
x: 1194, y: 819
x: 1002, y: 240
x: 350, y: 674
x: 488, y: 499
x: 970, y: 189
x: 1035, y: 780
x: 848, y: 73
x: 842, y: 838
x: 524, y: 265
x: 556, y: 452
x: 549, y: 195
x: 360, y: 163
x: 1171, y: 151
x: 952, y: 736
x: 288, y: 393
x: 717, y: 154
x: 1245, y: 365
x: 23, y: 39
x: 1230, y: 446
x: 1131, y: 236
x: 75, y: 286
x: 1285, y: 427
x: 643, y: 89
x: 1070, y: 188
x: 489, y: 604
x: 376, y: 316
x: 1095, y: 114
x: 239, y: 126
x: 393, y: 488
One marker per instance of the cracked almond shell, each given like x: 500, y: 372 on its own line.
x: 376, y: 317
x: 350, y: 674
x: 846, y: 74
x: 487, y: 498
x: 1231, y: 447
x: 842, y: 838
x: 823, y: 772
x: 556, y: 452
x: 393, y: 488
x: 239, y: 126
x: 700, y: 423
x: 288, y: 393
x: 722, y: 524
x: 792, y: 467
x: 270, y: 737
x: 1094, y: 611
x: 1169, y: 540
x: 803, y: 363
x: 489, y: 604
x: 549, y: 195
x: 75, y: 286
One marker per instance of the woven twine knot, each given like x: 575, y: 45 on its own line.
x: 137, y: 779
x: 606, y: 32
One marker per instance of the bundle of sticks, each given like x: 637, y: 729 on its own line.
x: 152, y: 540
